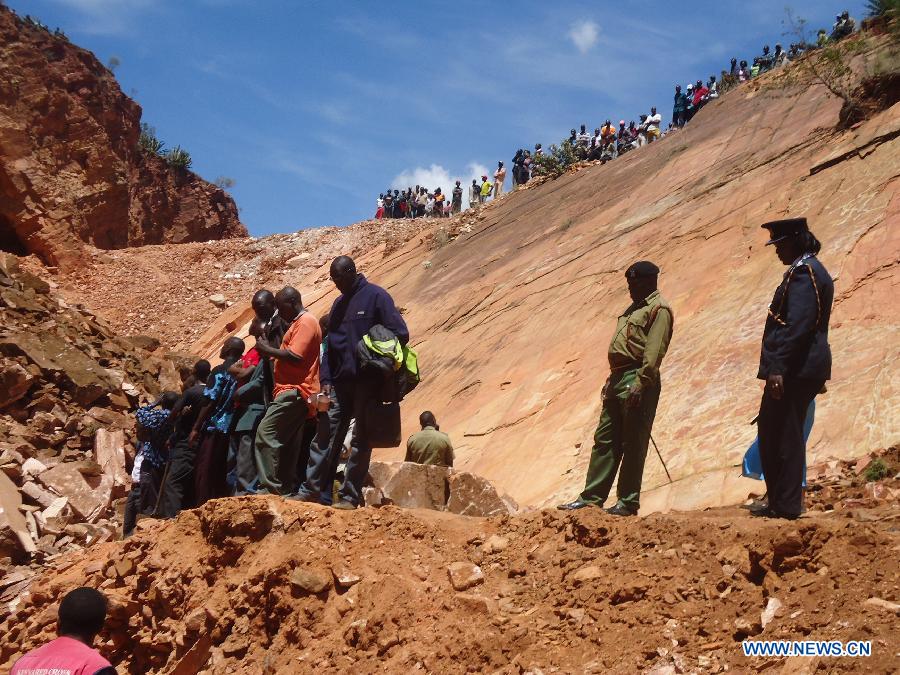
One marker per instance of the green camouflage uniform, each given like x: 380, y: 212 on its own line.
x: 637, y: 349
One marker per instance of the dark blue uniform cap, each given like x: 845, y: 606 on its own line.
x: 643, y: 269
x: 782, y: 229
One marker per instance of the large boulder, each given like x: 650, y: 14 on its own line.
x: 88, y: 488
x: 109, y: 453
x: 472, y: 495
x: 420, y: 486
x: 412, y: 486
x: 15, y: 540
x: 79, y: 373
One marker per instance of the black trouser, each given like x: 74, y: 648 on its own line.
x: 782, y: 449
x: 178, y: 492
x: 142, y: 498
x: 129, y: 519
x: 352, y: 400
x: 242, y: 474
x: 324, y: 453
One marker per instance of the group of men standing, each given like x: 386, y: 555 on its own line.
x: 271, y: 420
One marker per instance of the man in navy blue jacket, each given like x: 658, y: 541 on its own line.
x: 795, y: 362
x: 360, y: 306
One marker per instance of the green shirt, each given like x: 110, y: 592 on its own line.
x: 641, y: 339
x: 429, y: 446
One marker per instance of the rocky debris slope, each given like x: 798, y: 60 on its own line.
x: 177, y: 291
x: 71, y: 170
x: 67, y: 385
x: 260, y: 584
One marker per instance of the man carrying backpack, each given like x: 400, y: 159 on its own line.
x: 360, y: 306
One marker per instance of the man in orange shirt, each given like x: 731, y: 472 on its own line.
x: 279, y: 435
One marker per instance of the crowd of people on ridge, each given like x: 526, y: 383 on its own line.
x: 421, y: 202
x: 607, y: 141
x: 279, y: 417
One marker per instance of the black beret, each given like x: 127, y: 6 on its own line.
x: 782, y: 229
x: 643, y: 269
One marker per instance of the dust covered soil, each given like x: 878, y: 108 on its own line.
x: 264, y: 585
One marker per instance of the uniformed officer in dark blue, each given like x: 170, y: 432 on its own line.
x: 795, y: 363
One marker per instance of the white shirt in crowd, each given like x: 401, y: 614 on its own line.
x: 653, y: 121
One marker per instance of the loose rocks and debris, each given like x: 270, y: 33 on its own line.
x: 252, y: 580
x: 67, y: 383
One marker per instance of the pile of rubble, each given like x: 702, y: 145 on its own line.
x: 67, y: 385
x: 855, y: 487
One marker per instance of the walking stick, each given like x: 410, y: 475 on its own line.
x: 658, y: 454
x: 162, y: 488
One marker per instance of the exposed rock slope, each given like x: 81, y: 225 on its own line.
x: 512, y: 310
x: 71, y: 171
x: 512, y: 318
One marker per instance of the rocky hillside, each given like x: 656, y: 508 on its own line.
x: 264, y: 585
x: 67, y: 386
x: 71, y: 171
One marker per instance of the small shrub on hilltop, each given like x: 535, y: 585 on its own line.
x: 148, y: 141
x: 178, y: 158
x: 555, y: 162
x: 889, y: 8
x: 831, y: 66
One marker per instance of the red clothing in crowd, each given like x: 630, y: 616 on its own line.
x: 699, y: 95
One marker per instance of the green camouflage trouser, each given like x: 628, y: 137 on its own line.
x: 622, y: 436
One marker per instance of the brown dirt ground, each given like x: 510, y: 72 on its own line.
x: 217, y: 590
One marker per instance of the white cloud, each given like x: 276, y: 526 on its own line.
x: 436, y: 176
x: 584, y: 34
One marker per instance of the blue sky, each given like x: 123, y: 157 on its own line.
x: 314, y: 107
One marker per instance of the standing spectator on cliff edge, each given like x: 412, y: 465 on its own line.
x: 499, y: 180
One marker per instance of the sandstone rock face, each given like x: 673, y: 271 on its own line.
x: 70, y: 168
x: 512, y: 320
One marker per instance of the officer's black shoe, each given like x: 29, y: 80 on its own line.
x: 758, y: 507
x: 573, y: 506
x: 620, y: 510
